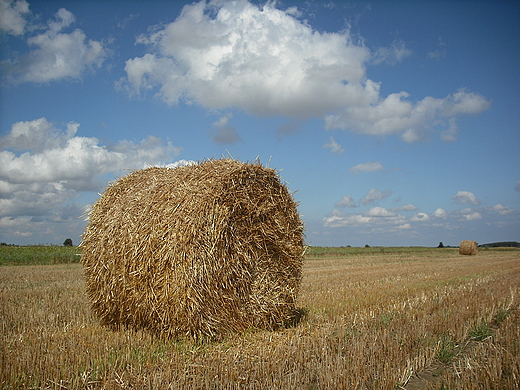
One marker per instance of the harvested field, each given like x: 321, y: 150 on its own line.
x: 379, y: 319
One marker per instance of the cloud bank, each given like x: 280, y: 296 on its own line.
x: 265, y: 61
x: 43, y: 166
x: 407, y: 220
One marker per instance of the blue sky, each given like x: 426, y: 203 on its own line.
x: 396, y: 123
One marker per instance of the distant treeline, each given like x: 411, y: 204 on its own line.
x: 503, y: 244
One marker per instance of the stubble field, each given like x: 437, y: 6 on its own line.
x: 371, y: 318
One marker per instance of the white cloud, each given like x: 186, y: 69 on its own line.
x: 404, y: 226
x: 367, y: 167
x: 420, y: 217
x: 339, y: 221
x: 55, y: 164
x: 80, y: 161
x: 380, y: 212
x: 393, y: 54
x: 179, y: 163
x: 397, y: 115
x: 406, y: 207
x: 33, y: 199
x: 37, y: 135
x: 450, y: 134
x: 502, y: 210
x: 56, y: 55
x: 266, y: 62
x: 346, y: 201
x: 375, y: 195
x: 440, y: 213
x: 12, y: 18
x: 473, y: 216
x: 58, y: 224
x: 463, y: 102
x: 334, y: 146
x: 375, y: 217
x: 224, y: 133
x: 375, y: 221
x: 465, y: 197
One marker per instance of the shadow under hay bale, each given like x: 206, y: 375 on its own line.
x: 468, y: 248
x: 197, y: 251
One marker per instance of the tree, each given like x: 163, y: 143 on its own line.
x: 67, y: 242
x: 441, y: 245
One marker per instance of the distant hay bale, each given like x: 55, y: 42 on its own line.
x: 468, y: 248
x: 198, y: 251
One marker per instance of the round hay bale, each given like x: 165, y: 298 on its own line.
x: 198, y: 251
x: 468, y: 248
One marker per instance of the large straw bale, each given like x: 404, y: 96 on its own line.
x: 197, y: 251
x: 467, y: 247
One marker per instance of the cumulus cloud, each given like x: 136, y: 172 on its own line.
x: 440, y: 213
x: 406, y: 207
x: 267, y: 62
x: 35, y: 199
x: 367, y: 167
x: 470, y: 215
x: 334, y: 146
x: 420, y: 217
x: 502, y: 210
x: 37, y: 135
x: 380, y: 220
x: 42, y: 166
x: 395, y: 114
x: 340, y: 221
x: 374, y: 196
x: 234, y: 54
x: 465, y: 197
x: 375, y: 217
x: 380, y: 212
x: 346, y: 201
x: 56, y: 55
x: 12, y: 16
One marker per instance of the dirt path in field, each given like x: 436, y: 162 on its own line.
x: 426, y: 378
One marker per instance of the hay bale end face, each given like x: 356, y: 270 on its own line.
x: 467, y: 247
x: 197, y: 251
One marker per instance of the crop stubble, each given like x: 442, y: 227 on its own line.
x: 369, y: 321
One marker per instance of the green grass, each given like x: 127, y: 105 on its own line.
x: 53, y: 254
x: 447, y: 349
x: 480, y: 331
x: 315, y: 251
x: 38, y: 255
